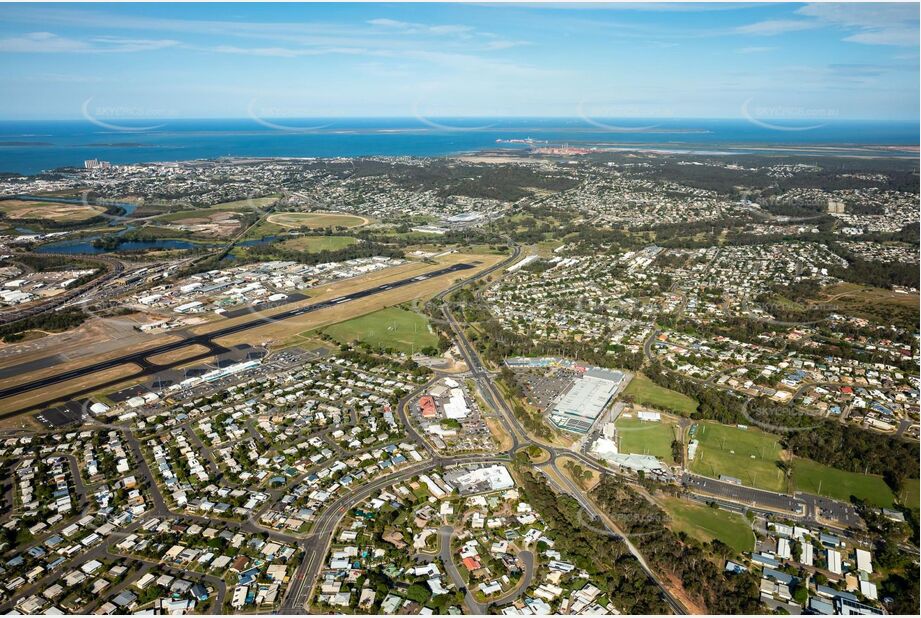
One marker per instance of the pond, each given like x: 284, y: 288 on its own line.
x: 84, y: 246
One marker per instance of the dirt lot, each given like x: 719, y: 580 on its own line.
x: 221, y: 223
x: 316, y: 220
x: 499, y: 433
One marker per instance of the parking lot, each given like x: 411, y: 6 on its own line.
x: 544, y: 386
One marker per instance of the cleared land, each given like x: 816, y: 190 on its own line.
x: 498, y: 432
x: 646, y: 392
x: 864, y: 301
x: 69, y: 213
x: 315, y: 244
x: 706, y: 523
x: 815, y: 478
x: 391, y: 328
x: 749, y: 455
x: 316, y: 220
x: 646, y: 438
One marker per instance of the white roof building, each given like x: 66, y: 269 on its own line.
x: 456, y: 408
x: 864, y: 561
x: 834, y: 561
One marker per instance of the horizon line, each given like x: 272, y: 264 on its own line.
x: 587, y: 121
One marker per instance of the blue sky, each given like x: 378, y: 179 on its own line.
x: 771, y: 61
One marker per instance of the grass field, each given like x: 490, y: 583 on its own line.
x: 646, y: 392
x: 706, y: 523
x: 64, y: 213
x: 909, y: 494
x: 315, y: 220
x: 402, y: 330
x: 750, y: 455
x: 315, y: 244
x: 174, y: 356
x: 237, y: 206
x: 645, y: 438
x: 816, y: 478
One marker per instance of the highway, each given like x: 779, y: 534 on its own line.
x: 112, y: 267
x: 207, y: 340
x: 300, y: 589
x: 521, y: 439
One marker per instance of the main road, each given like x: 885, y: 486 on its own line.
x: 521, y: 439
x: 316, y: 546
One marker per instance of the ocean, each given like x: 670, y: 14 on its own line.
x: 29, y: 147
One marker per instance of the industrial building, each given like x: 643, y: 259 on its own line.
x: 589, y: 395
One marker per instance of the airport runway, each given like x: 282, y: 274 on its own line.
x: 207, y: 340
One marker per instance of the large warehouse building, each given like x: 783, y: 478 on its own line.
x: 588, y: 396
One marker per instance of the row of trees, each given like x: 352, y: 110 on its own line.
x: 53, y: 321
x: 849, y: 448
x: 273, y: 251
x: 606, y: 559
x: 697, y: 566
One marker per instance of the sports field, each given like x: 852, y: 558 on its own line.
x: 749, y: 455
x: 646, y: 438
x: 706, y: 523
x: 315, y: 220
x: 646, y: 392
x: 315, y: 244
x: 909, y: 496
x: 815, y: 478
x: 396, y: 328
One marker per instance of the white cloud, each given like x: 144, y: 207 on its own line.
x: 772, y: 27
x: 414, y: 28
x: 285, y: 52
x: 50, y: 43
x: 115, y: 44
x: 41, y: 42
x: 874, y: 23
